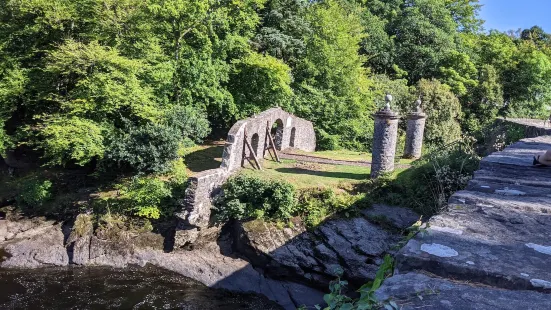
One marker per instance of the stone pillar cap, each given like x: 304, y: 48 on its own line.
x: 417, y: 111
x: 386, y: 113
x: 416, y: 115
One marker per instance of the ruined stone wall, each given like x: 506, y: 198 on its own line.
x: 289, y: 132
x: 288, y: 127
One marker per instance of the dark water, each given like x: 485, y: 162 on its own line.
x: 108, y: 288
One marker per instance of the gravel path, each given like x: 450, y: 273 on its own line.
x: 320, y: 160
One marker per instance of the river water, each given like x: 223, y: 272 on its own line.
x: 109, y: 288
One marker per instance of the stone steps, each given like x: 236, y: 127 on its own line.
x: 420, y: 291
x: 495, y: 238
x: 513, y: 189
x: 526, y: 203
x: 506, y: 252
x: 534, y: 179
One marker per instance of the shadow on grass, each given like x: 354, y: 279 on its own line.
x: 204, y: 159
x: 326, y: 174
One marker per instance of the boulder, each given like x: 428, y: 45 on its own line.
x: 14, y: 226
x: 44, y: 247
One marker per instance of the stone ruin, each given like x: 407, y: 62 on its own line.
x: 248, y: 142
x: 288, y: 132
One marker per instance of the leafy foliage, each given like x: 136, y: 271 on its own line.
x: 191, y: 123
x: 443, y: 112
x: 144, y: 196
x: 259, y: 82
x: 338, y: 300
x: 247, y: 197
x: 71, y: 140
x: 315, y: 205
x: 35, y: 192
x: 427, y: 186
x: 331, y: 83
x: 201, y: 65
x: 149, y: 148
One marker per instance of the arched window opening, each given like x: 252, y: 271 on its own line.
x: 292, y: 139
x: 277, y: 133
x: 254, y: 143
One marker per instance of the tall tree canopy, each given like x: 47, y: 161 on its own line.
x: 88, y: 81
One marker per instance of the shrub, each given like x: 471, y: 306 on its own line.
x: 144, y: 197
x: 498, y: 135
x: 443, y: 111
x: 5, y: 141
x: 35, y: 192
x: 149, y: 149
x: 247, y: 197
x: 427, y: 186
x: 326, y: 141
x: 177, y: 173
x: 316, y: 204
x: 337, y: 299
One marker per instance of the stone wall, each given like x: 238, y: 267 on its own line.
x: 532, y: 127
x: 289, y: 132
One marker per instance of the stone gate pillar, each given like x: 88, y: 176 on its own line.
x: 415, y: 131
x: 384, y: 140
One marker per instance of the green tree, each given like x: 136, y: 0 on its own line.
x: 485, y: 101
x: 260, y: 82
x: 425, y: 37
x: 97, y: 82
x: 330, y: 81
x: 73, y: 139
x: 459, y: 72
x: 443, y: 112
x: 282, y: 31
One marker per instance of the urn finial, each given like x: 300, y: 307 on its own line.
x: 388, y: 99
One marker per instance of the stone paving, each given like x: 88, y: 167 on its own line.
x: 492, y: 248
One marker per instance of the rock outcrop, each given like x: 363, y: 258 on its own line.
x: 355, y: 245
x: 32, y: 242
x: 213, y: 263
x: 41, y: 246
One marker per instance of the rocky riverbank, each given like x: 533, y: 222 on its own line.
x: 288, y: 265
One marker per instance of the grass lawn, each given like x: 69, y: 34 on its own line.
x: 309, y: 175
x: 306, y: 175
x: 301, y: 174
